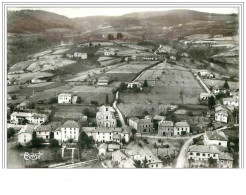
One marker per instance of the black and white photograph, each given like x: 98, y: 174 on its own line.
x: 108, y: 87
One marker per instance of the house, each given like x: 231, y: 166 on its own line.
x: 113, y: 147
x: 141, y: 125
x: 216, y: 89
x: 219, y: 107
x: 74, y: 99
x: 34, y: 118
x: 205, y: 96
x: 181, y: 128
x: 102, y: 149
x: 105, y: 117
x: 203, y: 72
x: 105, y: 134
x: 200, y: 155
x: 168, y: 128
x: 43, y: 131
x: 104, y: 80
x: 64, y: 98
x: 165, y: 128
x: 221, y: 116
x: 234, y: 94
x: 231, y: 102
x: 186, y: 55
x: 69, y: 130
x: 215, y: 138
x: 37, y: 80
x: 80, y: 55
x: 25, y: 134
x: 173, y: 58
x: 109, y: 53
x: 132, y: 84
x: 69, y: 55
x: 225, y: 160
x: 24, y: 105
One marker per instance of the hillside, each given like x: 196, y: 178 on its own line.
x: 36, y: 21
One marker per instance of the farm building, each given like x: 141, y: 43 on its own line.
x: 221, y: 116
x: 64, y: 98
x: 37, y: 80
x: 103, y: 80
x: 69, y: 55
x: 113, y: 147
x: 34, y: 118
x: 80, y: 55
x: 137, y: 84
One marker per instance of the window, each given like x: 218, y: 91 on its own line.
x: 191, y: 153
x: 214, y: 155
x: 198, y: 154
x: 56, y: 133
x: 203, y: 154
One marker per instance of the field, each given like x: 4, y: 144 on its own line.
x: 214, y: 82
x: 40, y: 84
x: 28, y: 76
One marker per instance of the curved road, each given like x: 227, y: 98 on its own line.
x: 182, y: 157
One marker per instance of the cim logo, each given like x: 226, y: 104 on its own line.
x: 32, y: 156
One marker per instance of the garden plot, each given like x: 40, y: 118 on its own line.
x: 214, y: 82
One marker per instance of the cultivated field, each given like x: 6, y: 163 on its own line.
x: 28, y: 76
x: 214, y: 82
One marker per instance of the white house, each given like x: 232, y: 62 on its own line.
x: 34, y: 118
x: 105, y: 117
x: 203, y: 72
x: 80, y: 55
x: 181, y: 127
x: 215, y: 138
x: 25, y: 134
x: 173, y: 58
x: 104, y: 80
x: 221, y: 116
x: 64, y: 98
x: 37, y: 80
x: 69, y: 130
x: 231, y: 102
x: 104, y: 134
x: 200, y: 154
x: 102, y: 149
x: 43, y: 131
x: 132, y: 84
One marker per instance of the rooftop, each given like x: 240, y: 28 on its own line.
x: 104, y: 146
x: 70, y: 124
x: 182, y: 124
x: 119, y: 154
x: 204, y: 149
x: 27, y: 129
x: 225, y: 156
x: 43, y: 128
x: 213, y: 135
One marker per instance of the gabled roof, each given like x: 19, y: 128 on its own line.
x: 114, y: 146
x: 182, y: 124
x: 213, y: 135
x: 103, y: 146
x: 119, y: 154
x: 21, y: 114
x: 225, y: 156
x: 222, y: 112
x: 204, y: 149
x: 27, y: 129
x: 70, y: 124
x: 64, y: 94
x: 43, y: 128
x: 158, y: 117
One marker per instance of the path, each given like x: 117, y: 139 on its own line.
x: 182, y: 157
x: 122, y: 119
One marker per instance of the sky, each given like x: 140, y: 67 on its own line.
x: 83, y: 12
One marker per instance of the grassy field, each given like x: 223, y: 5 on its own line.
x: 175, y: 85
x: 214, y: 82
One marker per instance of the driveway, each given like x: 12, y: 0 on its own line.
x: 122, y: 120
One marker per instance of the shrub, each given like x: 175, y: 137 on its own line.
x: 10, y: 132
x: 54, y: 143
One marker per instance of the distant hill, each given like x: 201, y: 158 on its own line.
x: 152, y: 25
x: 36, y: 21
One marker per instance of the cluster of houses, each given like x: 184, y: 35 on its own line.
x: 34, y: 118
x: 165, y: 128
x: 214, y: 148
x: 77, y: 55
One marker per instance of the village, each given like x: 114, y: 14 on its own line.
x: 120, y: 104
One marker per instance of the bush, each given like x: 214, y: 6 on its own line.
x: 94, y: 102
x: 190, y: 113
x: 146, y: 141
x: 10, y: 132
x: 37, y: 142
x: 53, y: 100
x: 54, y: 143
x: 140, y: 145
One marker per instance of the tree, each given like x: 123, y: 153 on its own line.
x: 37, y: 142
x: 10, y: 132
x: 70, y: 140
x: 134, y: 131
x: 123, y: 141
x: 53, y: 100
x: 79, y: 100
x: 85, y: 141
x: 137, y: 164
x: 145, y: 162
x: 211, y: 102
x: 31, y: 105
x: 119, y: 35
x: 110, y: 37
x: 145, y: 83
x: 212, y: 162
x: 122, y: 87
x: 226, y: 85
x: 54, y: 143
x: 106, y: 100
x: 145, y: 112
x: 13, y: 97
x: 24, y: 122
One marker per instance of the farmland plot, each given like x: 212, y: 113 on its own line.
x: 214, y: 82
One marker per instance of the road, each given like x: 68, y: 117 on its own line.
x: 122, y: 119
x: 75, y: 165
x: 160, y: 137
x: 182, y: 157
